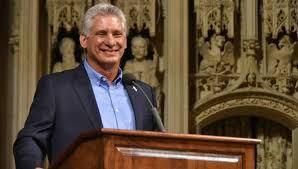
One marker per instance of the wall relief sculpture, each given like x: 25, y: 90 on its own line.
x: 217, y: 56
x: 281, y: 48
x: 64, y: 23
x: 227, y: 62
x: 216, y: 61
x: 67, y: 49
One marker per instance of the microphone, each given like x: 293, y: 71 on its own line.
x: 130, y: 79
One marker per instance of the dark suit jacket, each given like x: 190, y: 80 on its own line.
x: 64, y: 106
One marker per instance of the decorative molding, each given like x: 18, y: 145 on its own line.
x: 287, y: 107
x: 143, y: 152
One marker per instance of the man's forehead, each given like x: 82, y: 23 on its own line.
x: 105, y: 19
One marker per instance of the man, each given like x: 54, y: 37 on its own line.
x: 88, y: 97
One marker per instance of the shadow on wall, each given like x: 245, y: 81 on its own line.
x: 3, y: 76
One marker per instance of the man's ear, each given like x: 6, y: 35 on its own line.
x: 83, y: 40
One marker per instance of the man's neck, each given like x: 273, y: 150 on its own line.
x: 109, y: 71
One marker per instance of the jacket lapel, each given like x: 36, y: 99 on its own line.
x: 137, y: 108
x: 83, y: 88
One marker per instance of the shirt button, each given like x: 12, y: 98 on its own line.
x: 117, y: 110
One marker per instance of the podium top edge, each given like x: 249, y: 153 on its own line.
x: 164, y: 135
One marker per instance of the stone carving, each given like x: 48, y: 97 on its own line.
x: 216, y: 14
x: 141, y: 14
x: 145, y: 69
x: 64, y: 20
x: 218, y: 55
x: 281, y: 32
x: 217, y: 65
x: 282, y: 57
x: 249, y: 63
x: 216, y: 69
x: 65, y: 12
x: 280, y: 16
x: 296, y: 90
x: 287, y: 108
x: 67, y: 50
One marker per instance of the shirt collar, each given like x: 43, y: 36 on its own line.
x: 96, y: 77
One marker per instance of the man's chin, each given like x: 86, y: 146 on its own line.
x: 111, y: 62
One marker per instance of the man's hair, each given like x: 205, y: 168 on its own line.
x: 101, y: 9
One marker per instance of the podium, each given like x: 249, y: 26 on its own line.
x: 122, y: 149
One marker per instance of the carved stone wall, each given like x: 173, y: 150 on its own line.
x: 266, y: 61
x: 260, y: 78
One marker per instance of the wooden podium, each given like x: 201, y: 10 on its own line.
x: 122, y: 149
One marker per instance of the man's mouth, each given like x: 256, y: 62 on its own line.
x: 109, y: 50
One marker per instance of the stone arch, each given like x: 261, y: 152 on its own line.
x: 266, y: 104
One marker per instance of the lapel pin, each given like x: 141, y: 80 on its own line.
x: 134, y: 88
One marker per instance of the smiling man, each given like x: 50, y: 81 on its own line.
x: 91, y: 96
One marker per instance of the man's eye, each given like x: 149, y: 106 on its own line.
x: 117, y: 34
x: 100, y: 34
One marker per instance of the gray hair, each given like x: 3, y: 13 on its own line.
x: 101, y: 9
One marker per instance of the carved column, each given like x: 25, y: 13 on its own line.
x: 250, y: 24
x: 22, y: 69
x: 295, y: 147
x: 13, y: 47
x: 176, y: 59
x: 250, y: 44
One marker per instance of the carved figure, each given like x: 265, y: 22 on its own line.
x: 142, y: 68
x: 218, y: 55
x: 281, y: 56
x: 67, y: 50
x: 296, y: 90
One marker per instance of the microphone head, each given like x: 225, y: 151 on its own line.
x: 128, y: 78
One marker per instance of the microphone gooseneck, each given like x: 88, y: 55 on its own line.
x: 128, y: 78
x: 131, y: 80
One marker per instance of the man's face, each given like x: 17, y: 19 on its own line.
x: 105, y: 43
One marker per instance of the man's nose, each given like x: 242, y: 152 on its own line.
x: 110, y: 40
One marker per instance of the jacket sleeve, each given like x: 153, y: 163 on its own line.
x: 32, y: 142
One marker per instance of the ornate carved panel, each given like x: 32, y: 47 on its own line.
x: 279, y: 16
x: 270, y: 65
x: 280, y: 63
x: 65, y: 12
x: 140, y: 14
x: 217, y: 57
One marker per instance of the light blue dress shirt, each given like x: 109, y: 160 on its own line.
x: 112, y: 100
